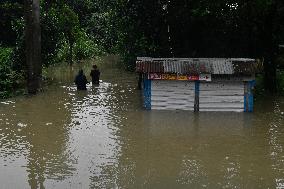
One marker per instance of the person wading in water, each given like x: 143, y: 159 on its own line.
x: 81, y: 81
x: 95, y: 74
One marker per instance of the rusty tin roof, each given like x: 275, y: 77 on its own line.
x: 197, y: 65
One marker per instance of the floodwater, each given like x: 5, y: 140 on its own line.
x: 102, y: 138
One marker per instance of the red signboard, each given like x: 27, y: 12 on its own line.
x: 192, y: 78
x: 155, y: 76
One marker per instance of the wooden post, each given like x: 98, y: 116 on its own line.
x: 196, y: 96
x: 139, y: 84
x: 248, y: 96
x: 147, y: 93
x: 246, y: 105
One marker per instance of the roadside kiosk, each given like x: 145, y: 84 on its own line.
x: 198, y: 84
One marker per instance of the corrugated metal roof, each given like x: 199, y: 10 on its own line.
x: 197, y: 65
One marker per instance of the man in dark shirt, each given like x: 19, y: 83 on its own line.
x: 81, y: 81
x: 95, y: 74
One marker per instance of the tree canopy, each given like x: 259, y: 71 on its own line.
x: 80, y: 29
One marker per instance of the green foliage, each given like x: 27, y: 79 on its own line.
x: 260, y: 84
x: 51, y: 35
x: 81, y: 29
x: 5, y: 72
x: 259, y: 89
x: 68, y: 23
x: 61, y: 31
x: 85, y: 47
x: 280, y: 78
x: 8, y: 77
x: 10, y: 13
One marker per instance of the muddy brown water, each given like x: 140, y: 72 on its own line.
x: 103, y: 138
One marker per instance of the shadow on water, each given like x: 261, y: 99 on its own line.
x: 102, y: 138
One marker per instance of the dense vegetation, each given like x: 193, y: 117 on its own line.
x: 78, y: 29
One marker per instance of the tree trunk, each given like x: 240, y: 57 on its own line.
x: 33, y: 45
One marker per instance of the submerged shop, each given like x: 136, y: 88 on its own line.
x: 198, y: 84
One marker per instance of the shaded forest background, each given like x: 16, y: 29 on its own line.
x: 73, y: 30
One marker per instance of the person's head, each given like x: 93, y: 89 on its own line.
x: 95, y: 67
x: 81, y: 72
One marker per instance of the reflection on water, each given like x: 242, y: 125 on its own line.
x: 102, y: 138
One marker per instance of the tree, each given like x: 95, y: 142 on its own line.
x: 33, y: 45
x: 198, y: 28
x: 202, y: 28
x: 69, y: 24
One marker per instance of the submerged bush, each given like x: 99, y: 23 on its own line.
x: 260, y: 89
x: 8, y: 77
x: 6, y: 73
x: 280, y: 78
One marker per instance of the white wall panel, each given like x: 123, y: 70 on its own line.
x: 172, y: 95
x: 222, y: 96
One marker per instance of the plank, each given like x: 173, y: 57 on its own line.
x: 172, y: 107
x: 221, y: 105
x: 222, y: 110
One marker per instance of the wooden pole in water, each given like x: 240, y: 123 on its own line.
x: 246, y: 103
x: 196, y: 96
